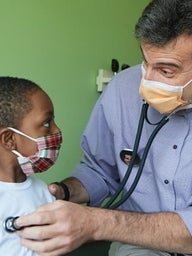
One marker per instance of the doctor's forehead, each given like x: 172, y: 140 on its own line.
x: 175, y: 53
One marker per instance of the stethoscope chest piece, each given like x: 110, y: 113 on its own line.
x: 9, y: 224
x: 126, y: 155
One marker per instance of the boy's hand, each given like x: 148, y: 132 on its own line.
x: 56, y: 191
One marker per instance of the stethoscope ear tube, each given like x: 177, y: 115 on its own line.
x: 143, y: 117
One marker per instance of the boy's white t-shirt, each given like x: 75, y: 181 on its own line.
x: 18, y: 199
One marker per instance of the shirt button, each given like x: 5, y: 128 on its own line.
x: 166, y: 181
x: 174, y: 146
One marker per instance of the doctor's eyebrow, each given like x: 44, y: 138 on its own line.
x: 165, y: 64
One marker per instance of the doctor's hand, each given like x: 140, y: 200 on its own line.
x: 56, y: 228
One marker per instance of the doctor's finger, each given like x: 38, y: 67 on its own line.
x: 50, y: 247
x: 37, y: 233
x: 43, y: 215
x: 34, y: 219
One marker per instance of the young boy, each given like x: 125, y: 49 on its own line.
x: 29, y: 143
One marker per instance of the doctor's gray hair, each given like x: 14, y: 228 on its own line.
x: 163, y: 21
x: 15, y: 100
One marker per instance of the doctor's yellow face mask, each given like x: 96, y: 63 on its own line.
x: 163, y: 97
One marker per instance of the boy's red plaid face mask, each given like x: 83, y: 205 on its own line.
x: 48, y: 151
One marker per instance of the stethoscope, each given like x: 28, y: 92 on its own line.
x: 134, y: 158
x: 10, y: 225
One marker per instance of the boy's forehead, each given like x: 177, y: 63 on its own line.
x: 42, y: 111
x: 41, y: 100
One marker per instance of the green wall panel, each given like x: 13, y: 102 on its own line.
x: 61, y: 44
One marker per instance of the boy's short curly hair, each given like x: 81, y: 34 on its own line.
x: 15, y: 100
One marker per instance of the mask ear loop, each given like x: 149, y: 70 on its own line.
x: 17, y: 153
x: 185, y: 85
x: 189, y: 101
x: 21, y: 133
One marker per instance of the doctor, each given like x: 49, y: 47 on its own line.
x: 157, y: 217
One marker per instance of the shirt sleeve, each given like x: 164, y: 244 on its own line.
x: 185, y: 215
x: 102, y: 139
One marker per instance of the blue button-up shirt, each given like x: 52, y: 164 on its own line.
x: 166, y: 181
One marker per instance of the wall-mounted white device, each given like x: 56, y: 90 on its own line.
x: 103, y: 79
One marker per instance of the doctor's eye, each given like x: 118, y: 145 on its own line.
x: 169, y: 73
x: 166, y: 72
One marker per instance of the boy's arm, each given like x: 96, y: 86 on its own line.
x: 77, y: 192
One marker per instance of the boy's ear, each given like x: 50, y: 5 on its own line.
x: 7, y: 138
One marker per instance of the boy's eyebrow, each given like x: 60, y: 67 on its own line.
x: 49, y: 114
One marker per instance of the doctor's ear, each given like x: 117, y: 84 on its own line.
x: 7, y: 138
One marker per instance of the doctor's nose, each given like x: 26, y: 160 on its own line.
x: 148, y: 74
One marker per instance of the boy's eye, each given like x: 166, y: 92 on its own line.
x: 46, y: 124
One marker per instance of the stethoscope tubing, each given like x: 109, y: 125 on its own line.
x: 160, y: 124
x: 141, y: 165
x: 131, y: 164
